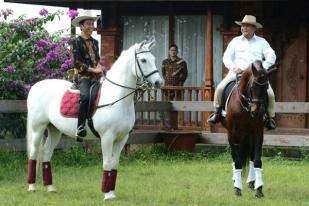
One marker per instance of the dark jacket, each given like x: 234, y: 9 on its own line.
x: 82, y: 56
x: 174, y: 72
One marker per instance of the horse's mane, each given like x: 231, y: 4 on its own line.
x: 128, y: 52
x: 245, y: 79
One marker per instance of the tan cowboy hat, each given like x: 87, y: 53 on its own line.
x: 86, y: 14
x: 249, y: 19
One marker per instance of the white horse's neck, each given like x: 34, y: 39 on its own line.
x: 121, y: 73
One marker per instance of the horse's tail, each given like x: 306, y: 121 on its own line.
x: 28, y: 136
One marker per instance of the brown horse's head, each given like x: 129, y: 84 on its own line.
x: 253, y: 85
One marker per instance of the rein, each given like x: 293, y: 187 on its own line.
x: 248, y: 100
x: 144, y: 86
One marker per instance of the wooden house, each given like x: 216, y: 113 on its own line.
x: 202, y: 29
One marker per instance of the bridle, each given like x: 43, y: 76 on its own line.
x: 144, y: 77
x: 248, y: 99
x: 143, y: 86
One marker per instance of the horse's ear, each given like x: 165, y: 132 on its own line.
x: 151, y: 44
x: 272, y: 69
x: 254, y: 70
x: 142, y: 44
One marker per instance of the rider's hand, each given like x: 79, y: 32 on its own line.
x: 96, y: 70
x: 237, y: 70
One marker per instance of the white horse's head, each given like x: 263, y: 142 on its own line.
x: 144, y: 67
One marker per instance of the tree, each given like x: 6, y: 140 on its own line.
x: 28, y: 53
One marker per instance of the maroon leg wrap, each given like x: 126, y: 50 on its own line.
x: 31, y: 171
x: 113, y: 179
x: 47, y: 174
x: 106, y: 181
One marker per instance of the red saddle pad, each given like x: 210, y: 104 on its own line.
x: 69, y: 104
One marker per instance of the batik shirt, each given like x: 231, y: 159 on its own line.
x: 85, y: 54
x: 174, y: 72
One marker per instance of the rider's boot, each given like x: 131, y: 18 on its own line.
x: 81, y: 131
x: 270, y: 123
x: 214, y: 117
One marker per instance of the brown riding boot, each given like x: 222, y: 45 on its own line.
x: 214, y: 117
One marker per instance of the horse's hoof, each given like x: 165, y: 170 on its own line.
x: 79, y: 139
x: 251, y: 185
x: 259, y: 193
x: 51, y: 189
x: 109, y: 195
x: 31, y: 188
x: 237, y: 192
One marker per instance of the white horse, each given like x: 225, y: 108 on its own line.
x: 113, y: 122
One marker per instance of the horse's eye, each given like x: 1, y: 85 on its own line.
x: 143, y: 60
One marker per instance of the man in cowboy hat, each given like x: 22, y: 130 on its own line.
x: 238, y: 56
x: 86, y: 59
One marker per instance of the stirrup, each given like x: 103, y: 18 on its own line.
x: 74, y: 86
x: 81, y: 133
x: 214, y: 118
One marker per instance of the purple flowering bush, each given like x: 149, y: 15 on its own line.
x: 28, y: 53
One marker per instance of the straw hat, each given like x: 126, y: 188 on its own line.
x: 85, y: 15
x: 249, y: 19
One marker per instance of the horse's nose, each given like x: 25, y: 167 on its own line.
x: 158, y: 84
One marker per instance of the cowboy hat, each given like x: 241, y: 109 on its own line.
x: 249, y: 19
x: 85, y: 15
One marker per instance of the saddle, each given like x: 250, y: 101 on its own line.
x: 69, y: 102
x: 226, y: 96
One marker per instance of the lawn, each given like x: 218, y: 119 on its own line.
x: 150, y: 176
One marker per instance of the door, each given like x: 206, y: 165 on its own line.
x: 292, y: 77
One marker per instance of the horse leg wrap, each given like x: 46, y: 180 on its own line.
x: 233, y: 167
x: 113, y: 180
x: 106, y: 181
x: 47, y: 174
x: 258, y: 178
x: 251, y: 174
x: 31, y: 171
x: 237, y: 180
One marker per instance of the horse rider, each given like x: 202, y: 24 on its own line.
x: 85, y: 52
x: 238, y: 56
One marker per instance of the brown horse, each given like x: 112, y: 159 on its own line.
x: 244, y: 122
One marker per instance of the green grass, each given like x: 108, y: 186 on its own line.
x: 150, y: 176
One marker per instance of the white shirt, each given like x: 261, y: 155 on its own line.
x: 241, y: 52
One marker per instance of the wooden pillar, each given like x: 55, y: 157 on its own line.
x: 109, y: 45
x: 73, y: 29
x: 209, y: 90
x: 110, y: 34
x: 171, y: 30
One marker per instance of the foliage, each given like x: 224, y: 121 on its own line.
x: 28, y: 53
x: 12, y: 125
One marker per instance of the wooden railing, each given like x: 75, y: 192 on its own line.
x: 279, y: 137
x: 191, y: 120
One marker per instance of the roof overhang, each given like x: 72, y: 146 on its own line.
x: 91, y: 4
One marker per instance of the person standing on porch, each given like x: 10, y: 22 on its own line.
x: 85, y: 52
x: 174, y: 71
x: 238, y: 56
